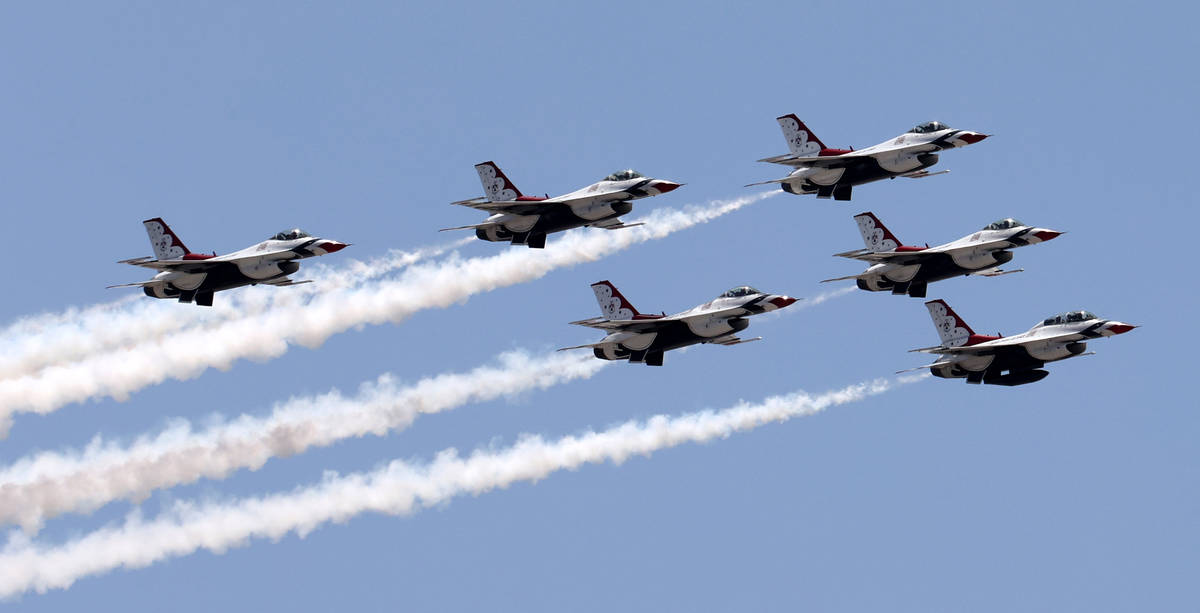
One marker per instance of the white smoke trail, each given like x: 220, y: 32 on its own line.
x: 398, y: 488
x: 188, y: 353
x: 32, y: 343
x: 50, y: 483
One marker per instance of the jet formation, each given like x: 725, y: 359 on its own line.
x: 893, y: 267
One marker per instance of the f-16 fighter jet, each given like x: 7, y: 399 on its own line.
x: 834, y: 172
x: 908, y: 270
x: 643, y: 338
x: 195, y: 276
x: 983, y: 359
x: 526, y: 220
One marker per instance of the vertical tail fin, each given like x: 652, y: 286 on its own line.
x: 801, y: 140
x: 167, y: 245
x: 875, y: 234
x: 496, y: 186
x: 953, y: 331
x: 612, y: 304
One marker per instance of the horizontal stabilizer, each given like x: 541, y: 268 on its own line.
x: 934, y: 365
x: 470, y: 201
x: 995, y: 272
x: 470, y: 227
x: 733, y: 340
x: 138, y: 284
x: 841, y: 278
x: 284, y: 282
x: 766, y: 182
x: 922, y: 174
x: 137, y: 261
x: 589, y: 346
x: 619, y: 226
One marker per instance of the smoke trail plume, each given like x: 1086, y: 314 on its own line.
x: 35, y: 342
x: 188, y: 353
x: 398, y: 488
x: 50, y: 483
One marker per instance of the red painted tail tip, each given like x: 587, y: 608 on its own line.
x: 1120, y: 328
x: 1046, y: 235
x: 782, y: 301
x: 972, y: 137
x: 332, y: 246
x: 666, y: 186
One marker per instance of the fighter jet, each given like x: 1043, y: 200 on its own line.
x: 643, y: 338
x: 195, y: 276
x: 983, y: 359
x: 908, y: 270
x: 526, y: 220
x: 834, y: 172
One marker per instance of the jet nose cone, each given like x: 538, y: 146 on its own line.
x: 332, y: 246
x: 1117, y: 327
x: 666, y: 186
x: 971, y: 138
x: 782, y: 301
x: 1045, y: 235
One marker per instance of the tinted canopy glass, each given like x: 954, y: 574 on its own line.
x: 1004, y: 224
x: 929, y: 126
x: 623, y: 175
x: 737, y: 292
x: 1070, y: 317
x: 291, y: 235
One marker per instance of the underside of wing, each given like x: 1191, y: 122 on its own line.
x: 284, y: 282
x: 512, y: 207
x: 620, y: 325
x: 616, y: 224
x: 840, y: 278
x: 185, y: 266
x: 588, y: 346
x: 891, y: 257
x: 470, y: 227
x: 826, y: 161
x: 729, y: 341
x: 137, y: 284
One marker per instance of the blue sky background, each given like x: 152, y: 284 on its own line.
x: 360, y: 122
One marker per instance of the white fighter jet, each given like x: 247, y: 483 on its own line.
x: 643, y: 338
x: 526, y: 220
x: 904, y: 269
x: 983, y: 359
x: 834, y: 172
x: 195, y: 276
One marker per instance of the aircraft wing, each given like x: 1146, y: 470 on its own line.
x: 730, y: 341
x: 891, y: 257
x: 1008, y: 344
x: 186, y: 266
x: 284, y: 282
x: 136, y: 284
x: 621, y: 325
x: 846, y: 159
x: 613, y: 223
x: 512, y: 207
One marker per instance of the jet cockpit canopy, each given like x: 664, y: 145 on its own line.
x: 291, y: 235
x: 624, y: 175
x: 1069, y: 317
x: 1004, y: 224
x: 738, y: 292
x: 929, y: 126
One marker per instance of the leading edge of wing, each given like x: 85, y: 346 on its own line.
x: 634, y: 325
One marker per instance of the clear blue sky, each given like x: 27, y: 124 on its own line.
x: 361, y: 121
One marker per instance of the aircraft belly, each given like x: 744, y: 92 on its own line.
x: 974, y: 259
x: 1048, y: 351
x: 901, y: 274
x: 519, y: 223
x: 818, y: 176
x: 186, y: 282
x: 975, y: 363
x: 710, y: 327
x: 899, y: 164
x: 633, y: 341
